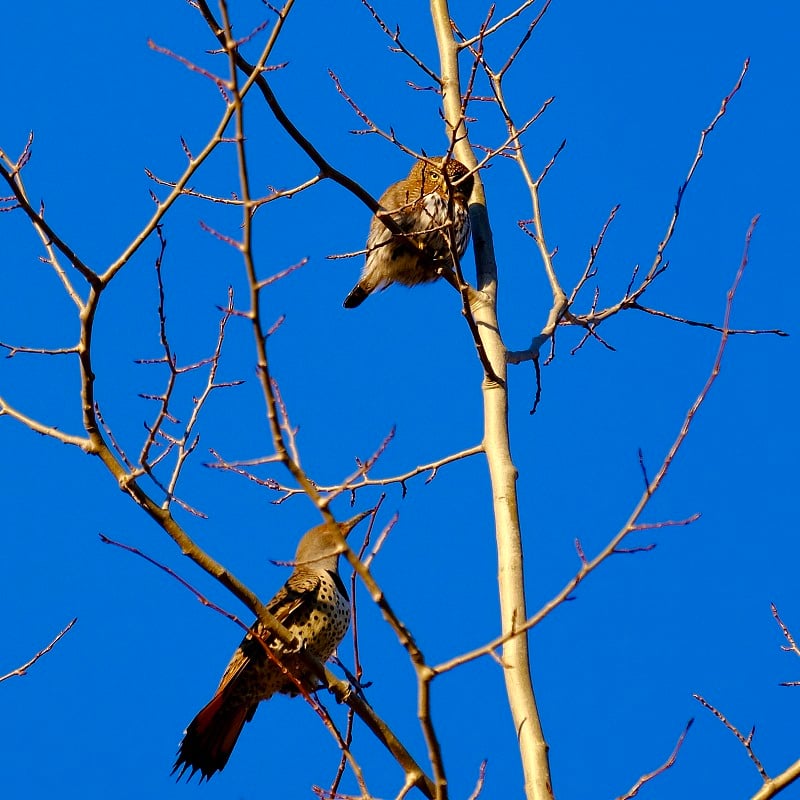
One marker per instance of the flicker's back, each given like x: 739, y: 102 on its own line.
x: 313, y: 605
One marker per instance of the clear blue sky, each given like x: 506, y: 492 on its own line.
x: 615, y: 670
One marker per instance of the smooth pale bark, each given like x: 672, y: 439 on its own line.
x: 503, y: 473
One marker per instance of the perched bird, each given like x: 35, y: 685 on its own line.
x: 313, y: 605
x: 424, y: 205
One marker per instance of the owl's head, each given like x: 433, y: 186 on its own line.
x: 435, y: 174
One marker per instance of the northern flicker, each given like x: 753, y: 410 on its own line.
x: 313, y: 605
x: 426, y: 205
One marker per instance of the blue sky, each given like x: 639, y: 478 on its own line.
x: 615, y: 669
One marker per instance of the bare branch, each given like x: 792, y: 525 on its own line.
x: 792, y: 647
x: 613, y: 547
x: 43, y: 351
x: 275, y: 194
x: 282, y: 274
x: 698, y: 156
x: 634, y: 790
x: 254, y: 73
x: 502, y: 472
x: 658, y: 266
x: 666, y: 523
x: 284, y: 451
x: 23, y: 670
x: 47, y: 242
x: 745, y: 741
x: 590, y: 271
x: 190, y: 65
x: 7, y: 410
x: 186, y: 444
x: 710, y: 326
x: 399, y: 46
x: 525, y: 39
x: 513, y: 15
x: 476, y: 792
x: 11, y: 175
x: 114, y: 443
x: 372, y: 127
x: 183, y: 582
x: 777, y: 784
x: 358, y: 480
x: 216, y: 138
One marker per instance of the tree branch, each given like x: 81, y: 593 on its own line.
x: 23, y: 670
x: 503, y: 474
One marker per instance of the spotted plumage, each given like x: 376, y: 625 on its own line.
x: 427, y: 205
x: 313, y: 605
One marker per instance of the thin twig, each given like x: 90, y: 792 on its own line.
x: 23, y: 670
x: 399, y: 46
x: 658, y: 266
x: 634, y: 790
x: 496, y: 27
x: 708, y: 325
x: 745, y: 741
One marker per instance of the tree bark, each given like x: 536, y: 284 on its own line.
x: 503, y: 473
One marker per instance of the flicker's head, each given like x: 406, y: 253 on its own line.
x: 321, y: 547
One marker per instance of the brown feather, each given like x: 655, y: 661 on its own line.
x: 313, y: 605
x: 211, y: 737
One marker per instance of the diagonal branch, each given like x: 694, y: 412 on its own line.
x: 500, y: 23
x: 745, y: 741
x: 12, y: 176
x: 399, y: 46
x: 277, y: 419
x: 23, y: 670
x: 658, y: 266
x: 634, y: 790
x: 7, y: 410
x: 614, y: 546
x: 194, y: 163
x: 777, y: 784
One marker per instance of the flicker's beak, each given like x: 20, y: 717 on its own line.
x: 348, y: 526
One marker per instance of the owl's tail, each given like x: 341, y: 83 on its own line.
x: 356, y: 297
x: 211, y: 736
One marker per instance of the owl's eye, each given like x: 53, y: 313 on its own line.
x: 434, y: 175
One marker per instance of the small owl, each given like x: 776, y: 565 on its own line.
x: 419, y: 205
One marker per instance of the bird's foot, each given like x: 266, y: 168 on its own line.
x: 358, y: 685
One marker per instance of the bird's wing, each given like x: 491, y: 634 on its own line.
x: 301, y: 588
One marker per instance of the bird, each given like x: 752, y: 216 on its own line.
x: 426, y: 205
x: 314, y: 607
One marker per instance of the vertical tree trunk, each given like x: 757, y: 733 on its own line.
x: 519, y: 687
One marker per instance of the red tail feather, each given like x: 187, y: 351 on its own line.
x: 211, y: 736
